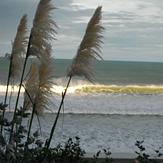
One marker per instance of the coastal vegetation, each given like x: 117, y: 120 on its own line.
x: 17, y: 142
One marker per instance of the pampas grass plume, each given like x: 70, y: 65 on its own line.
x: 89, y: 49
x: 19, y: 49
x: 43, y: 30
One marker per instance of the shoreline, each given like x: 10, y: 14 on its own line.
x: 119, y: 160
x: 95, y: 114
x: 123, y: 156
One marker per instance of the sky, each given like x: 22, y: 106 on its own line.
x: 133, y: 28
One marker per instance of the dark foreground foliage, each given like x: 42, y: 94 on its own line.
x: 70, y: 152
x: 143, y: 157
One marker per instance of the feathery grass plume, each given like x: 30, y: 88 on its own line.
x: 90, y: 48
x: 43, y: 91
x: 44, y: 88
x: 30, y: 87
x: 42, y: 32
x: 18, y: 50
x: 44, y: 29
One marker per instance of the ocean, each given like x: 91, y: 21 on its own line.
x: 124, y: 104
x: 108, y: 72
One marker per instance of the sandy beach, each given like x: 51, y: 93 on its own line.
x: 117, y: 132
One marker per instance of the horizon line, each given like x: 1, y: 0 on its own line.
x: 112, y: 60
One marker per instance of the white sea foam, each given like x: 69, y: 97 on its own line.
x: 106, y: 104
x: 10, y: 88
x: 75, y: 87
x: 112, y: 104
x: 60, y: 89
x: 102, y: 131
x: 56, y: 89
x: 100, y: 103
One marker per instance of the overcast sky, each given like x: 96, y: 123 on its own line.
x: 133, y: 28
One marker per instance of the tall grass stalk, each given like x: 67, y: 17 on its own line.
x: 89, y: 49
x: 30, y: 87
x: 20, y: 86
x: 18, y: 50
x: 29, y: 95
x: 30, y: 123
x: 58, y: 113
x: 42, y: 91
x: 42, y: 32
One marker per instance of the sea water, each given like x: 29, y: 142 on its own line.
x: 101, y: 118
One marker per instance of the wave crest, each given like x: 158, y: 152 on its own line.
x: 128, y: 89
x: 79, y: 88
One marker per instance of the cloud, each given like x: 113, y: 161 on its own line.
x: 83, y: 19
x: 138, y: 10
x: 5, y: 42
x: 133, y: 28
x: 63, y: 40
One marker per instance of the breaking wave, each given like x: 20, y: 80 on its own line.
x: 99, y: 89
x: 128, y: 89
x: 87, y: 98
